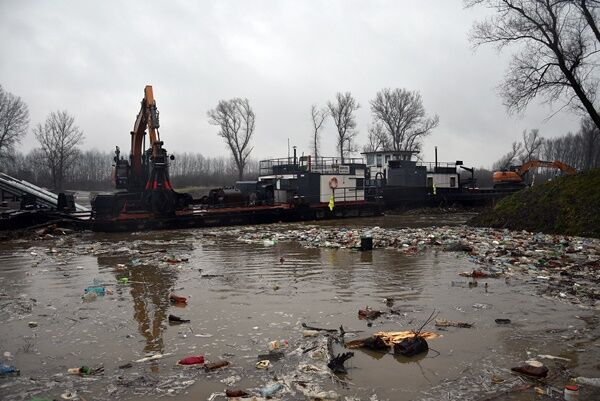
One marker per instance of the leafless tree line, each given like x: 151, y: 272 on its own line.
x: 580, y: 150
x: 92, y: 170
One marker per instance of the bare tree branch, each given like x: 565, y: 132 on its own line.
x: 342, y: 112
x: 59, y: 138
x: 236, y: 121
x: 557, y: 50
x: 377, y: 139
x: 318, y: 119
x: 14, y: 121
x: 402, y: 116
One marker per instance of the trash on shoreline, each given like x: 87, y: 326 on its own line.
x: 271, y: 390
x: 336, y: 364
x: 532, y: 368
x: 264, y: 364
x: 177, y: 299
x: 590, y: 381
x: 451, y: 323
x: 236, y: 392
x: 96, y: 290
x: 8, y: 370
x: 177, y: 320
x: 192, y: 360
x: 152, y: 357
x: 389, y: 339
x: 368, y: 314
x: 85, y: 371
x: 215, y: 365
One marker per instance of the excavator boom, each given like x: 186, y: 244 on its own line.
x: 515, y: 178
x: 147, y: 118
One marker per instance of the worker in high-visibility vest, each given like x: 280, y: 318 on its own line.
x: 331, y: 203
x: 434, y: 189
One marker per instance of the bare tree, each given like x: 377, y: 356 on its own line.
x: 318, y: 119
x: 342, y: 112
x: 532, y: 145
x: 236, y: 119
x: 59, y: 138
x: 403, y: 117
x: 14, y: 120
x: 508, y: 159
x: 558, y: 43
x: 377, y: 138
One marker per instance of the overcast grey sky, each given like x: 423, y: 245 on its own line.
x: 94, y: 59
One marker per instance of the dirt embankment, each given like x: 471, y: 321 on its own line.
x: 566, y: 205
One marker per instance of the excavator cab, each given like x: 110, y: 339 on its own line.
x: 120, y: 171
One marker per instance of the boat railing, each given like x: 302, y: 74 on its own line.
x: 290, y: 165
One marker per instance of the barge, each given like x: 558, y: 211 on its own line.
x: 289, y: 190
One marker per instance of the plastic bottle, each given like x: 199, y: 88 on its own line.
x: 590, y: 381
x: 8, y: 370
x: 571, y: 393
x: 82, y: 371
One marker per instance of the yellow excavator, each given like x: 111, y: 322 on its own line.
x: 514, y: 177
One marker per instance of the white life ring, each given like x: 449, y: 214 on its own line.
x: 333, y: 183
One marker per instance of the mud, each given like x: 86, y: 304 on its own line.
x: 244, y: 293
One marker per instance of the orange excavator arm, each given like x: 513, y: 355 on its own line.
x: 146, y: 118
x: 541, y: 163
x: 515, y: 178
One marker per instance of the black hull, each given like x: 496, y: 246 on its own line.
x: 234, y: 217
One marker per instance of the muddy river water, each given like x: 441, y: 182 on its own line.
x: 242, y: 296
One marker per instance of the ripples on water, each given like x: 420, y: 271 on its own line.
x: 241, y: 296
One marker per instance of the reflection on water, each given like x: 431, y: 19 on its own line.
x: 242, y: 296
x: 149, y: 292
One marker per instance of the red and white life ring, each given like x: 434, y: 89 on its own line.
x: 333, y: 183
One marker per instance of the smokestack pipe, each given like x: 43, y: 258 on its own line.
x: 436, y: 164
x: 295, y: 156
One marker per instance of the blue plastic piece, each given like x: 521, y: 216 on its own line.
x: 97, y: 290
x: 6, y: 370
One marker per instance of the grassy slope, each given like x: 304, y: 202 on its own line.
x: 565, y: 205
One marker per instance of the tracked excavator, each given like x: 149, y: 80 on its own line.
x: 142, y: 180
x: 515, y: 176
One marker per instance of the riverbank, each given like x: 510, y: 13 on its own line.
x: 566, y: 205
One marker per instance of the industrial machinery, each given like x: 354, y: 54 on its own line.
x: 514, y: 177
x: 143, y: 179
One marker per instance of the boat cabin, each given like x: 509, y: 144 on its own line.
x: 310, y: 181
